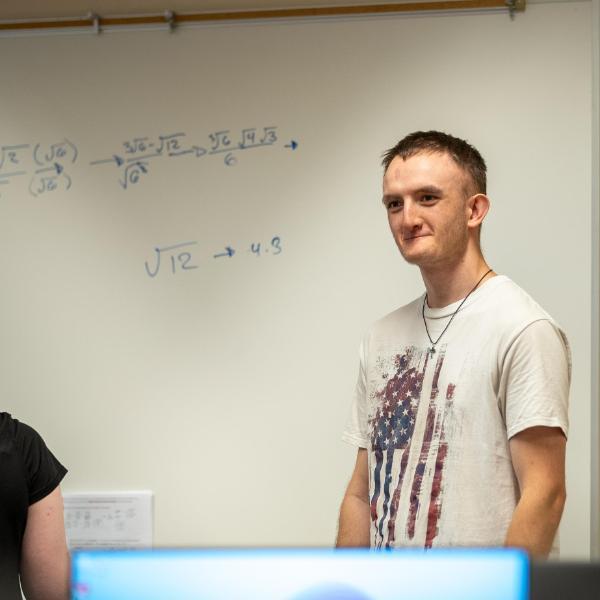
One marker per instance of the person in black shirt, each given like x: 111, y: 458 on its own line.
x: 33, y: 548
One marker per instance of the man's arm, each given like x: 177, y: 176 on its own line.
x: 44, y: 556
x: 354, y: 525
x: 538, y: 457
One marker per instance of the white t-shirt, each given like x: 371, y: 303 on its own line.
x: 437, y: 425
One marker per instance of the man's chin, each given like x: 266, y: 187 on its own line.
x: 414, y: 258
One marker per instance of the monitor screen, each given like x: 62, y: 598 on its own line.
x: 285, y: 574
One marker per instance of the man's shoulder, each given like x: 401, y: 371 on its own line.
x: 407, y: 311
x: 511, y: 302
x: 509, y: 310
x: 9, y: 427
x: 20, y: 437
x: 398, y: 318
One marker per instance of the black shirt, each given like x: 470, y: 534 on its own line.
x: 28, y: 473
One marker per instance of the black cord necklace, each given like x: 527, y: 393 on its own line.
x: 433, y: 344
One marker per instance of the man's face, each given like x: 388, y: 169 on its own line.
x: 426, y: 204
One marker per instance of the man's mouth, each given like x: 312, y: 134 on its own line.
x: 414, y: 237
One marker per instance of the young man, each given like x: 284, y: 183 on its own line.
x: 33, y: 548
x: 460, y: 413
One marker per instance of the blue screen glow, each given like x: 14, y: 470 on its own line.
x: 284, y: 574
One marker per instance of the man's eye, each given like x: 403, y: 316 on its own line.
x: 428, y: 198
x: 393, y: 205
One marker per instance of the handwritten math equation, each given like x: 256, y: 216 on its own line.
x: 135, y: 156
x: 184, y: 256
x: 47, y: 168
x: 42, y: 167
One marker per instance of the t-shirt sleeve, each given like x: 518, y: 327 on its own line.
x: 536, y: 378
x: 355, y: 432
x: 42, y: 470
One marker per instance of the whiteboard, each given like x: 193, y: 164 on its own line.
x: 220, y: 377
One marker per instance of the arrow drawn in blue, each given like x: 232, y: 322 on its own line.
x: 57, y: 168
x: 293, y: 145
x: 116, y: 159
x: 229, y: 251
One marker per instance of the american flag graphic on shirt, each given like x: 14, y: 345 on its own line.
x: 408, y: 447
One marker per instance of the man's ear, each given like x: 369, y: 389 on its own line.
x: 477, y: 207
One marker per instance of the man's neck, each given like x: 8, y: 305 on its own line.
x: 449, y: 284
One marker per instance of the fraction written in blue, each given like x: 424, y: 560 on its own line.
x: 45, y: 166
x: 136, y: 153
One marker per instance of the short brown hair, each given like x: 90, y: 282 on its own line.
x: 462, y: 153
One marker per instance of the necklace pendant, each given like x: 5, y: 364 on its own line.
x: 432, y: 350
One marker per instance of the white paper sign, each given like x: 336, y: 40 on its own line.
x: 109, y: 519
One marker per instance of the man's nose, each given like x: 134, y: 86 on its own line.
x: 411, y: 216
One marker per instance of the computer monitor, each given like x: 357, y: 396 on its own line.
x: 553, y: 580
x: 285, y: 574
